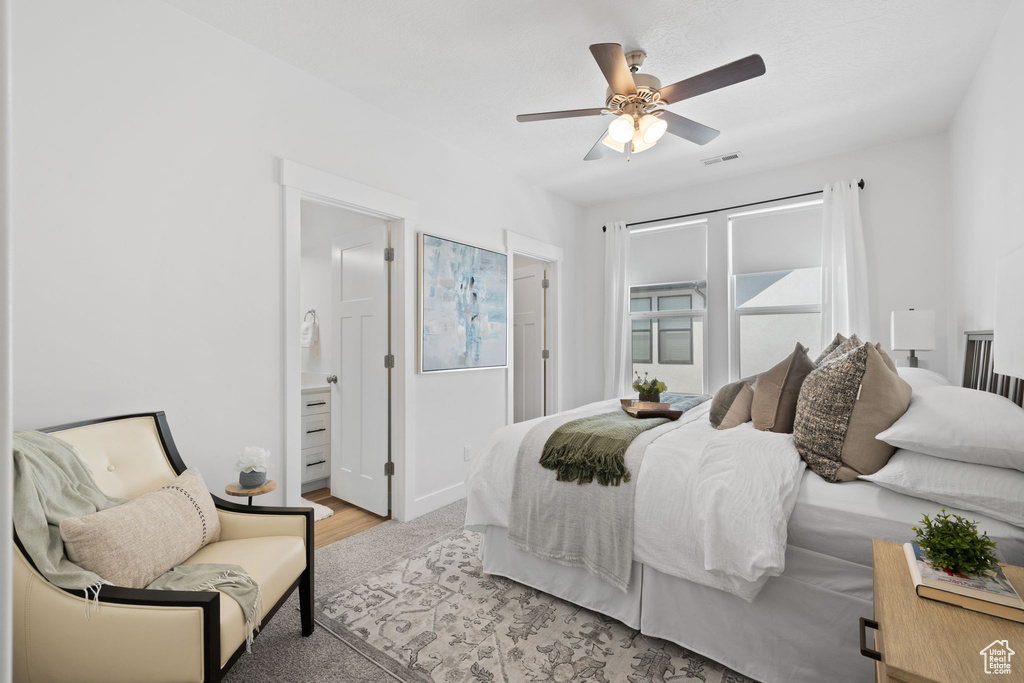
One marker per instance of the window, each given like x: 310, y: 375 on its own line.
x: 642, y: 345
x: 668, y: 301
x: 776, y: 281
x: 675, y: 335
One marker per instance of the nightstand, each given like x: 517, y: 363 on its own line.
x: 923, y: 641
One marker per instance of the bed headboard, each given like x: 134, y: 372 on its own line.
x: 978, y: 372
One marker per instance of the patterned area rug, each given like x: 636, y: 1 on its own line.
x: 434, y: 616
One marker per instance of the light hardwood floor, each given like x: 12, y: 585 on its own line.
x: 348, y: 520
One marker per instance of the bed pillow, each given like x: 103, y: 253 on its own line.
x: 992, y: 491
x: 962, y: 424
x: 843, y: 405
x: 132, y: 544
x: 839, y: 346
x: 836, y: 343
x: 777, y: 390
x: 731, y: 405
x: 919, y: 378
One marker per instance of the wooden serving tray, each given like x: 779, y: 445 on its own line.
x: 642, y: 409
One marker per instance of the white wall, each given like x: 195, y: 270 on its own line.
x: 6, y: 464
x: 986, y: 183
x: 320, y: 225
x: 149, y: 270
x: 903, y: 210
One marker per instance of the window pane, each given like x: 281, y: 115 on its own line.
x: 642, y: 343
x: 676, y: 339
x: 675, y: 346
x: 673, y: 296
x: 640, y: 304
x: 779, y: 288
x: 767, y: 339
x: 676, y: 302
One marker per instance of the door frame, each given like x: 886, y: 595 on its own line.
x: 516, y: 243
x: 301, y: 183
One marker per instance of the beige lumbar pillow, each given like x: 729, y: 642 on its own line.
x: 777, y: 390
x: 844, y: 404
x: 731, y: 405
x: 132, y: 544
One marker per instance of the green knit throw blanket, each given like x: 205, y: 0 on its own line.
x: 594, y: 447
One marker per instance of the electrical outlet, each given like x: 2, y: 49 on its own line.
x: 467, y: 452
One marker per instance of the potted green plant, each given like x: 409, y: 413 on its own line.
x: 649, y: 389
x: 251, y: 466
x: 952, y: 543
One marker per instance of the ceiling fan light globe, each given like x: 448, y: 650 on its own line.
x: 608, y: 142
x: 639, y: 144
x: 621, y: 129
x: 652, y: 128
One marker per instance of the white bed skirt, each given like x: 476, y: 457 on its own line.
x: 801, y: 628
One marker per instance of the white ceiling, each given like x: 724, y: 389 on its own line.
x: 841, y: 74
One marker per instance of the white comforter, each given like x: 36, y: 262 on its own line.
x: 711, y: 506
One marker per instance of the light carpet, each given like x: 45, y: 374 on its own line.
x: 409, y: 602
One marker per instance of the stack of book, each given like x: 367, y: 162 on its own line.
x: 992, y: 594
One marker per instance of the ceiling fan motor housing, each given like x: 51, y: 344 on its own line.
x: 646, y: 85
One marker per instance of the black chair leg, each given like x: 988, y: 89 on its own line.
x: 306, y: 601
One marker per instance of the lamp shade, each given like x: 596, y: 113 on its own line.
x: 1008, y: 325
x: 913, y: 330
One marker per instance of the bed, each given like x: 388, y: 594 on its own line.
x: 802, y: 626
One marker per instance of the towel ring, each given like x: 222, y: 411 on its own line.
x: 312, y: 312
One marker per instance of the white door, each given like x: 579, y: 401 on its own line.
x: 359, y: 415
x: 528, y: 342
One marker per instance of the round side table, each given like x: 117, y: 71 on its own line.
x: 235, y: 489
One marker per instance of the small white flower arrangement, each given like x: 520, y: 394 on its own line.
x: 253, y: 459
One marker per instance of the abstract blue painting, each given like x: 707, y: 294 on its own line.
x: 463, y: 306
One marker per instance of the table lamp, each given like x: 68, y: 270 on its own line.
x: 913, y: 331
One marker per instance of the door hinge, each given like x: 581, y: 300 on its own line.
x: 389, y: 253
x: 545, y: 354
x: 389, y: 361
x: 545, y: 283
x: 389, y: 469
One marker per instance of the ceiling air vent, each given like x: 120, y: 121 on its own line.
x: 725, y: 157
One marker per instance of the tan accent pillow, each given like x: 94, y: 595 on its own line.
x: 777, y: 391
x: 738, y: 410
x: 132, y: 544
x: 844, y: 404
x: 889, y: 363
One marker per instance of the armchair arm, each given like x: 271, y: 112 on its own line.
x: 254, y: 521
x: 134, y: 635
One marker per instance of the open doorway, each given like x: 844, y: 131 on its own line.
x: 530, y: 352
x: 344, y: 294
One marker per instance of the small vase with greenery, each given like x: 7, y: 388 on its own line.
x: 649, y: 389
x: 953, y: 544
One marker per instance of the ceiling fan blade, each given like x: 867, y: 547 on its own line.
x: 687, y: 129
x: 729, y: 74
x: 598, y: 150
x: 613, y: 65
x: 566, y: 114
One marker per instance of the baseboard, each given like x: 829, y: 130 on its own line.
x: 433, y: 501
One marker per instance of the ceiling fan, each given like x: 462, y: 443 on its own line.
x: 637, y: 100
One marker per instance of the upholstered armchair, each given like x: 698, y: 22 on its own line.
x: 150, y: 635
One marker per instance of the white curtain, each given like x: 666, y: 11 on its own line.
x: 618, y: 352
x: 844, y: 278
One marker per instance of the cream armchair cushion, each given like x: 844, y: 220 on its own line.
x: 132, y: 544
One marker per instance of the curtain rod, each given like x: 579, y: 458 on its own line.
x: 860, y: 184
